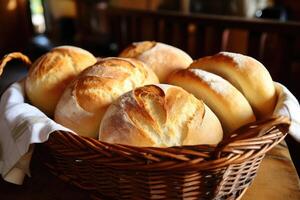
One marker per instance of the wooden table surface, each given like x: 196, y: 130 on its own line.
x: 276, y: 180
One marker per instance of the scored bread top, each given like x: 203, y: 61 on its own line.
x: 137, y: 48
x: 88, y: 96
x: 161, y: 116
x: 51, y: 73
x: 109, y: 78
x: 162, y: 58
x: 230, y: 106
x: 248, y: 75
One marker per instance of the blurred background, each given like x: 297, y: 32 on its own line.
x: 268, y: 30
x: 34, y: 26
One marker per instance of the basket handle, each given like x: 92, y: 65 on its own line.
x: 253, y: 130
x: 12, y: 56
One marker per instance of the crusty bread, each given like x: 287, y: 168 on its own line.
x: 160, y: 115
x: 230, y: 106
x: 85, y: 100
x: 247, y: 75
x: 162, y: 58
x: 51, y: 73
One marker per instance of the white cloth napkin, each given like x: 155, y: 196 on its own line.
x: 288, y: 105
x: 22, y: 125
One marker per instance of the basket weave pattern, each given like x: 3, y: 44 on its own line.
x: 111, y: 171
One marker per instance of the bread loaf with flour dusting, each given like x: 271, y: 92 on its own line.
x: 248, y: 75
x: 160, y: 115
x: 231, y: 107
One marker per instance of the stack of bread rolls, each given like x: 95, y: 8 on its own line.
x: 246, y: 74
x: 227, y: 102
x: 153, y: 94
x: 86, y: 99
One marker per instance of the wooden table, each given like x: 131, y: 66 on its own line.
x: 276, y: 180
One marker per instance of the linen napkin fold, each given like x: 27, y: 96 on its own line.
x: 287, y: 105
x: 22, y: 125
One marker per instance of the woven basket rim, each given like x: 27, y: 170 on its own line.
x: 248, y: 142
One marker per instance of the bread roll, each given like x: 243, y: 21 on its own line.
x: 160, y: 116
x: 162, y: 58
x: 230, y: 106
x: 247, y: 75
x: 85, y: 100
x: 51, y: 73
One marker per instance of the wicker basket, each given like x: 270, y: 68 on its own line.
x: 111, y: 171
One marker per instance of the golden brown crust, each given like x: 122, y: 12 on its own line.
x: 136, y: 49
x: 163, y: 59
x: 226, y: 101
x: 52, y: 72
x: 246, y: 74
x: 187, y: 74
x: 159, y: 115
x: 96, y: 88
x: 84, y: 96
x: 139, y: 112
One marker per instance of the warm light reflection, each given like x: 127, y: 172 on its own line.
x: 37, y: 16
x: 11, y: 5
